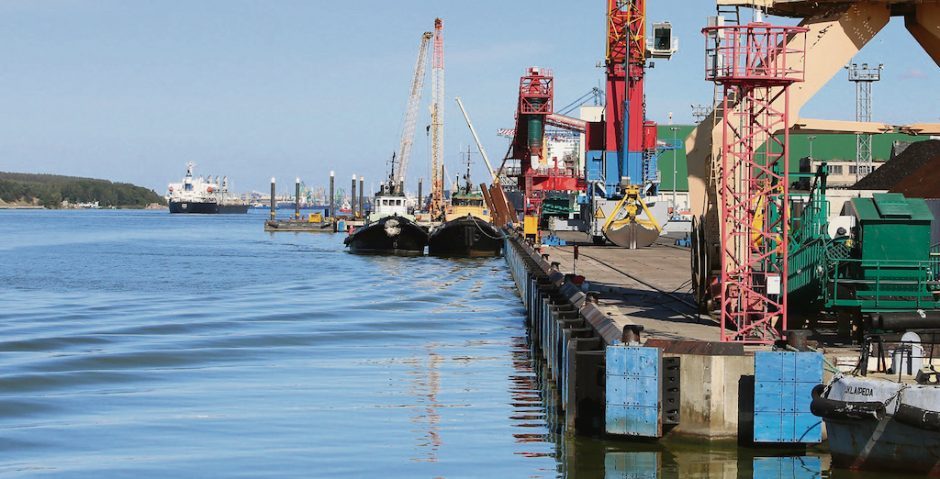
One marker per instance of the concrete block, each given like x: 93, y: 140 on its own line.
x: 710, y: 394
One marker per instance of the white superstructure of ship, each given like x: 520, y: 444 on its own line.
x: 203, y: 195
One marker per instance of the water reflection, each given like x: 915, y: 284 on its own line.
x: 529, y: 417
x: 596, y: 459
x: 794, y: 467
x: 633, y: 465
x: 539, y: 421
x: 425, y: 387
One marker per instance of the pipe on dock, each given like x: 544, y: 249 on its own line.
x: 901, y: 320
x: 352, y: 198
x: 362, y: 188
x: 273, y: 200
x: 331, y: 214
x: 297, y: 199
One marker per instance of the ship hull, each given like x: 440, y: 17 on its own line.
x: 182, y: 207
x: 390, y: 235
x: 466, y: 237
x: 885, y: 445
x: 875, y: 424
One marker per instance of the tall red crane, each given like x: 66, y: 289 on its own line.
x: 437, y: 121
x: 537, y: 173
x: 626, y: 66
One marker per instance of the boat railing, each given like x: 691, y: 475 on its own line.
x: 902, y: 351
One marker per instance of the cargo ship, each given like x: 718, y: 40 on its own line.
x: 203, y: 195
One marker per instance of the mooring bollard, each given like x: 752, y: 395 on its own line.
x: 332, y: 213
x: 297, y: 199
x: 352, y: 199
x: 362, y: 189
x: 273, y: 200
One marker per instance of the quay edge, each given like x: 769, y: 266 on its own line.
x: 611, y: 380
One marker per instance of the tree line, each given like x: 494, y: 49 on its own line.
x: 52, y: 190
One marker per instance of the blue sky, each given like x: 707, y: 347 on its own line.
x: 132, y: 90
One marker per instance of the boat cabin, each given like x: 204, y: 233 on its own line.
x: 463, y: 204
x: 388, y: 205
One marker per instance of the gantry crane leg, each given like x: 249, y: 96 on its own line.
x: 923, y: 25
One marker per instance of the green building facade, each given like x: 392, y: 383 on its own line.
x: 831, y: 147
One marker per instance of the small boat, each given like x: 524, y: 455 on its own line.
x: 390, y: 228
x: 466, y: 230
x: 886, y: 421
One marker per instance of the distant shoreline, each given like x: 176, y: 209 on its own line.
x: 38, y: 207
x: 70, y: 192
x: 21, y: 207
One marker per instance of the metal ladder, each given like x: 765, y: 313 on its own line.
x: 732, y: 16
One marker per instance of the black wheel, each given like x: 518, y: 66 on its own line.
x: 700, y: 262
x: 694, y: 257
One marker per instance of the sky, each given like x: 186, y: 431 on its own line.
x: 132, y: 90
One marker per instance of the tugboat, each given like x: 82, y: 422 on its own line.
x: 203, y: 196
x: 888, y: 419
x: 466, y: 230
x: 390, y: 228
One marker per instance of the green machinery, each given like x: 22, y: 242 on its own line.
x: 556, y: 204
x: 882, y: 268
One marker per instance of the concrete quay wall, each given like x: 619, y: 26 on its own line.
x: 612, y: 375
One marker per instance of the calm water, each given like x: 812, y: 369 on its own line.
x: 140, y: 344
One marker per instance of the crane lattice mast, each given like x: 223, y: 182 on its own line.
x: 411, y: 114
x: 437, y: 121
x: 755, y: 64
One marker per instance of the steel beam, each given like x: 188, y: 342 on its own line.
x: 924, y: 25
x: 920, y: 129
x: 821, y: 127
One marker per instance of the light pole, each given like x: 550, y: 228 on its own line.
x: 700, y: 112
x: 675, y: 167
x: 863, y: 76
x: 811, y: 138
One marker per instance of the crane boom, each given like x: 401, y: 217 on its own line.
x: 473, y: 131
x: 437, y: 120
x: 411, y: 113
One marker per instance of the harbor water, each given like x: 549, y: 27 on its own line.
x: 144, y: 344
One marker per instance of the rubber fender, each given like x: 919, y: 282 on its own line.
x: 916, y: 417
x: 834, y: 409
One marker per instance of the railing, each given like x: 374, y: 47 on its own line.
x: 882, y: 284
x: 935, y: 261
x: 755, y: 53
x: 905, y: 354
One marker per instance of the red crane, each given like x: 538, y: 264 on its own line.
x: 755, y: 64
x: 628, y: 146
x: 538, y: 174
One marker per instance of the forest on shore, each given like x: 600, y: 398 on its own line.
x: 50, y: 191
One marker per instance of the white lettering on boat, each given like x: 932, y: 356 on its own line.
x: 860, y: 391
